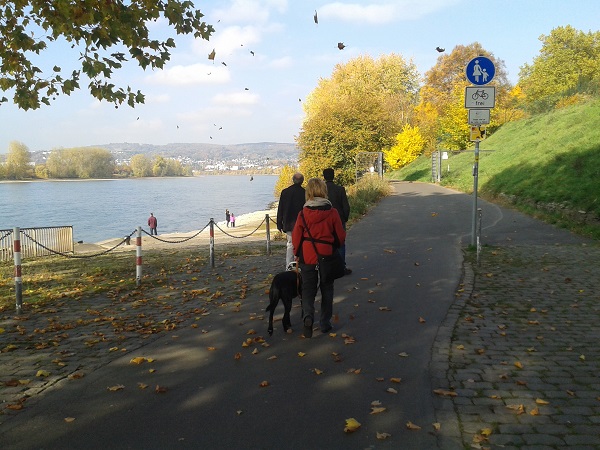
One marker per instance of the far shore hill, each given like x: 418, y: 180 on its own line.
x: 201, y: 156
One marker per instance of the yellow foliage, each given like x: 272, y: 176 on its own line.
x: 409, y: 145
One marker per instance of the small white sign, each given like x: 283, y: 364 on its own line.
x: 479, y: 116
x: 483, y: 97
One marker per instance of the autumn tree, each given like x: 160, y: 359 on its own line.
x: 360, y: 108
x: 17, y: 161
x: 284, y: 180
x: 569, y: 62
x: 106, y: 34
x: 443, y: 90
x: 80, y: 163
x: 409, y: 145
x: 141, y: 165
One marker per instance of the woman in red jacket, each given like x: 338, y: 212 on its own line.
x: 327, y: 232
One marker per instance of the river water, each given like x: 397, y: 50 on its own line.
x: 103, y: 209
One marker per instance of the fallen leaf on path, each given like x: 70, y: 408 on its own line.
x: 382, y: 436
x: 421, y: 320
x: 540, y: 401
x: 264, y: 383
x: 391, y: 390
x: 535, y: 411
x: 351, y: 425
x: 301, y: 354
x: 69, y: 419
x: 518, y: 365
x: 412, y: 426
x: 395, y: 380
x: 437, y: 426
x: 142, y: 385
x: 115, y: 388
x: 403, y: 354
x: 160, y: 389
x: 377, y: 409
x: 445, y: 393
x: 42, y: 373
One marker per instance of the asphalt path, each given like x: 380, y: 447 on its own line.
x: 406, y: 256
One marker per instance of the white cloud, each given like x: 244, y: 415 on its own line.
x: 227, y: 41
x: 236, y: 99
x: 382, y: 12
x: 194, y: 74
x: 249, y: 11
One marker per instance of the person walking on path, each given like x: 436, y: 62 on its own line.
x: 232, y: 220
x: 290, y: 204
x: 152, y: 223
x: 227, y: 217
x: 326, y: 233
x: 339, y: 200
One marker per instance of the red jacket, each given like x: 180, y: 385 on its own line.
x: 325, y: 225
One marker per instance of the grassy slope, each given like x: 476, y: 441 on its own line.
x: 553, y: 157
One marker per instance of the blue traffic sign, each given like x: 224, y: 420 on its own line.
x: 480, y: 70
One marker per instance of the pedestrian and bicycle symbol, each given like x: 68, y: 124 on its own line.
x: 480, y: 70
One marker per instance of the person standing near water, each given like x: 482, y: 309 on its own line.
x: 232, y: 220
x: 227, y: 216
x: 152, y: 223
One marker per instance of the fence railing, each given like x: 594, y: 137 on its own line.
x: 53, y: 239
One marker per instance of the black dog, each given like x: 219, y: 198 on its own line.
x: 285, y: 286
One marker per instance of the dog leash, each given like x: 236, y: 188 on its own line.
x: 298, y: 281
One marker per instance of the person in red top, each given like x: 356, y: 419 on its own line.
x: 152, y: 223
x: 326, y: 229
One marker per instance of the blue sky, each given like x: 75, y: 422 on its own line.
x: 256, y: 98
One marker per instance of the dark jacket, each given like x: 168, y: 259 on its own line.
x: 291, y: 202
x: 339, y: 200
x: 325, y: 227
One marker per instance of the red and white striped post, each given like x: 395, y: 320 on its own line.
x: 268, y: 229
x: 138, y: 257
x: 212, y: 243
x: 18, y: 279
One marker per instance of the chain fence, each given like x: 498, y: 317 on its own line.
x: 16, y: 248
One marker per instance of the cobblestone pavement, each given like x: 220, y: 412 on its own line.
x: 522, y: 360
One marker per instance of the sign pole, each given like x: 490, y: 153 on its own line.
x: 475, y: 180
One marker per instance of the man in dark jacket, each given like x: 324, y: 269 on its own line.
x: 291, y: 202
x: 339, y: 200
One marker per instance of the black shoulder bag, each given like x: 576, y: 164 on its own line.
x: 330, y: 267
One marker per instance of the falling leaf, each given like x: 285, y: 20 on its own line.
x: 382, y: 436
x: 341, y: 45
x: 116, y: 387
x: 69, y: 419
x: 315, y: 17
x: 42, y: 373
x: 212, y: 55
x: 412, y: 426
x: 351, y: 425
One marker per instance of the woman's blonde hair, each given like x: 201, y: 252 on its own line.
x: 315, y: 187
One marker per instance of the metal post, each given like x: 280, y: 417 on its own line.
x: 18, y: 279
x: 138, y: 257
x: 212, y: 243
x: 475, y: 180
x: 479, y: 220
x: 268, y: 229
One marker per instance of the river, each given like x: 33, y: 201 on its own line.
x: 103, y: 209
